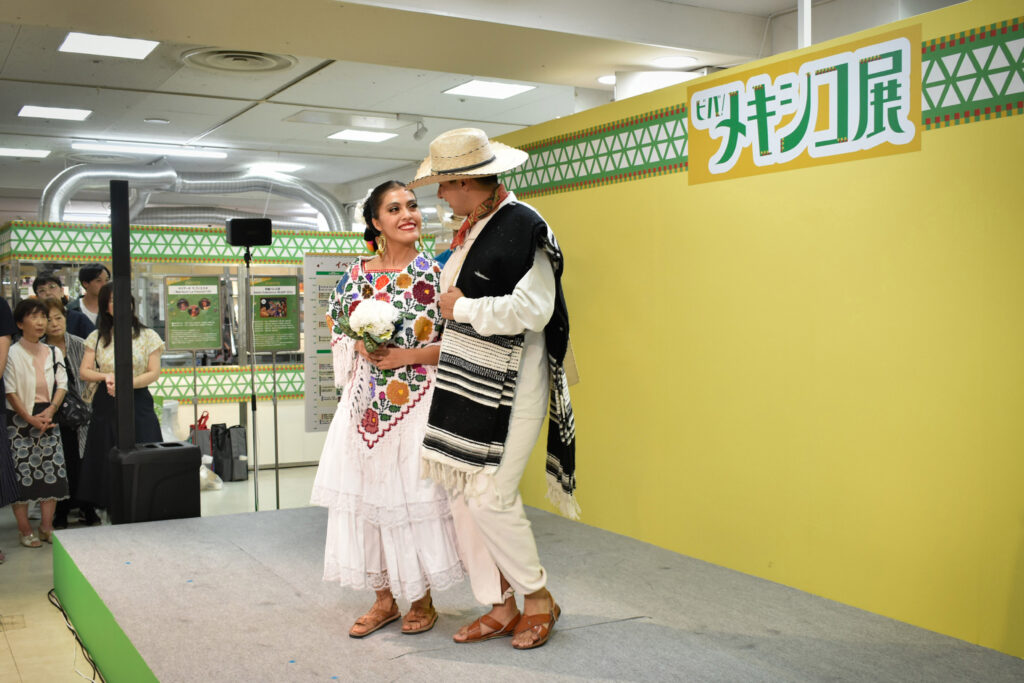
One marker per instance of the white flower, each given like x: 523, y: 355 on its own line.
x: 374, y: 317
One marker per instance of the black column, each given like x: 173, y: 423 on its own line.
x: 120, y: 242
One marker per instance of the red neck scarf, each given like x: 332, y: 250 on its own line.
x: 483, y: 209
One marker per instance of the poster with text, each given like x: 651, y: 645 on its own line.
x: 321, y: 273
x: 275, y: 313
x: 194, y: 313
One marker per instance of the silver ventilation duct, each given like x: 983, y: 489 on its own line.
x: 207, y: 215
x: 160, y: 176
x: 68, y: 182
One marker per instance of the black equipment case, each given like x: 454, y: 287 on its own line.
x: 154, y: 481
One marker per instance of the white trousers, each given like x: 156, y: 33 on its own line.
x: 493, y: 532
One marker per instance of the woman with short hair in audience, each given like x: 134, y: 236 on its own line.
x: 72, y: 438
x: 35, y: 382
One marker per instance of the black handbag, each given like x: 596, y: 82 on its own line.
x: 73, y: 412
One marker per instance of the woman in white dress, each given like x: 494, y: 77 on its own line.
x: 388, y: 529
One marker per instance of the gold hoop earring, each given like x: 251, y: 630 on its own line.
x: 382, y: 245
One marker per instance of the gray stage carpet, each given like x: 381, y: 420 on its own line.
x: 240, y: 598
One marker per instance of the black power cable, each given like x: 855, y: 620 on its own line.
x: 55, y: 601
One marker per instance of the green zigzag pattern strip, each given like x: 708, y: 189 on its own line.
x: 229, y: 384
x: 973, y: 75
x: 652, y: 144
x: 91, y: 242
x: 969, y: 76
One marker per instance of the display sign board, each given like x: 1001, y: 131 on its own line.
x: 275, y: 313
x: 321, y: 274
x: 852, y: 101
x: 193, y: 312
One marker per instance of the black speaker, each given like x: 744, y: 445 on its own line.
x: 154, y: 481
x: 249, y: 232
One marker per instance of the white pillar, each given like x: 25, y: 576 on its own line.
x: 803, y: 21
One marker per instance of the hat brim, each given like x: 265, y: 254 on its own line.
x: 505, y: 159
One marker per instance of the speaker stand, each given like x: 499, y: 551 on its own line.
x: 251, y: 343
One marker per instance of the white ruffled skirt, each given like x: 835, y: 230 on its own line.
x: 386, y: 526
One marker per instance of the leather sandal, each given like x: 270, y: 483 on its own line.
x: 45, y: 536
x: 541, y: 624
x: 29, y: 541
x: 374, y: 620
x: 499, y: 630
x: 425, y: 617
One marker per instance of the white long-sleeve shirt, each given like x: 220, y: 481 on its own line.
x: 527, y: 309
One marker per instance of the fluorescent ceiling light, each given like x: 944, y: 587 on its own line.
x: 86, y: 217
x: 17, y: 152
x: 674, y: 62
x: 362, y: 135
x: 32, y: 111
x: 607, y: 80
x: 129, y: 148
x: 274, y: 167
x: 489, y: 89
x: 108, y: 46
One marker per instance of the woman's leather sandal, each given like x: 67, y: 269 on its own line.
x: 374, y: 620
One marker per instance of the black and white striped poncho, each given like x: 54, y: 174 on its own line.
x: 477, y: 374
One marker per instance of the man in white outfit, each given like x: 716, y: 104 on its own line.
x: 505, y: 338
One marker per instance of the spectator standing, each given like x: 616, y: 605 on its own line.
x: 9, y: 489
x: 72, y: 438
x: 92, y: 277
x: 35, y: 382
x: 98, y: 366
x: 48, y: 286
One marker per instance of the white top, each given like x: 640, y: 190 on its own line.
x: 527, y: 309
x: 92, y: 315
x: 20, y: 374
x: 145, y: 344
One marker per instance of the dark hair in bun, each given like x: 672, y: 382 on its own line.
x: 371, y: 207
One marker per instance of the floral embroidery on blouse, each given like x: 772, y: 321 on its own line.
x: 389, y: 395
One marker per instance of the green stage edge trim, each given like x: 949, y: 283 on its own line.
x: 111, y: 650
x: 973, y: 75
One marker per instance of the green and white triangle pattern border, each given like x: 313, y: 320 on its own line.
x: 654, y: 143
x: 969, y: 76
x: 91, y: 242
x: 230, y: 384
x: 973, y: 75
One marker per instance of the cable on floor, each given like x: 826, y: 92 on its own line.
x: 96, y: 677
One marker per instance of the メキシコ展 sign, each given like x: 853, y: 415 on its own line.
x: 852, y: 101
x: 193, y: 313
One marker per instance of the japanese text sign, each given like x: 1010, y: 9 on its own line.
x: 849, y: 102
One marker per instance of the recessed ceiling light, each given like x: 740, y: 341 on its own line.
x: 159, y: 122
x: 489, y: 89
x: 674, y: 62
x: 108, y: 46
x: 130, y: 148
x: 32, y: 111
x: 362, y: 135
x: 274, y: 167
x: 607, y: 80
x: 17, y: 152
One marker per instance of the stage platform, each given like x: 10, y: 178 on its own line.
x: 240, y: 598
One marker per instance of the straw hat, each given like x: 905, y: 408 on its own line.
x: 466, y: 153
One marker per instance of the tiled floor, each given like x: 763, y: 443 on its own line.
x: 36, y: 646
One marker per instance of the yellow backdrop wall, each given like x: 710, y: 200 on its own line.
x: 814, y: 376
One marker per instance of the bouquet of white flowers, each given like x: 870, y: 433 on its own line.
x: 373, y: 321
